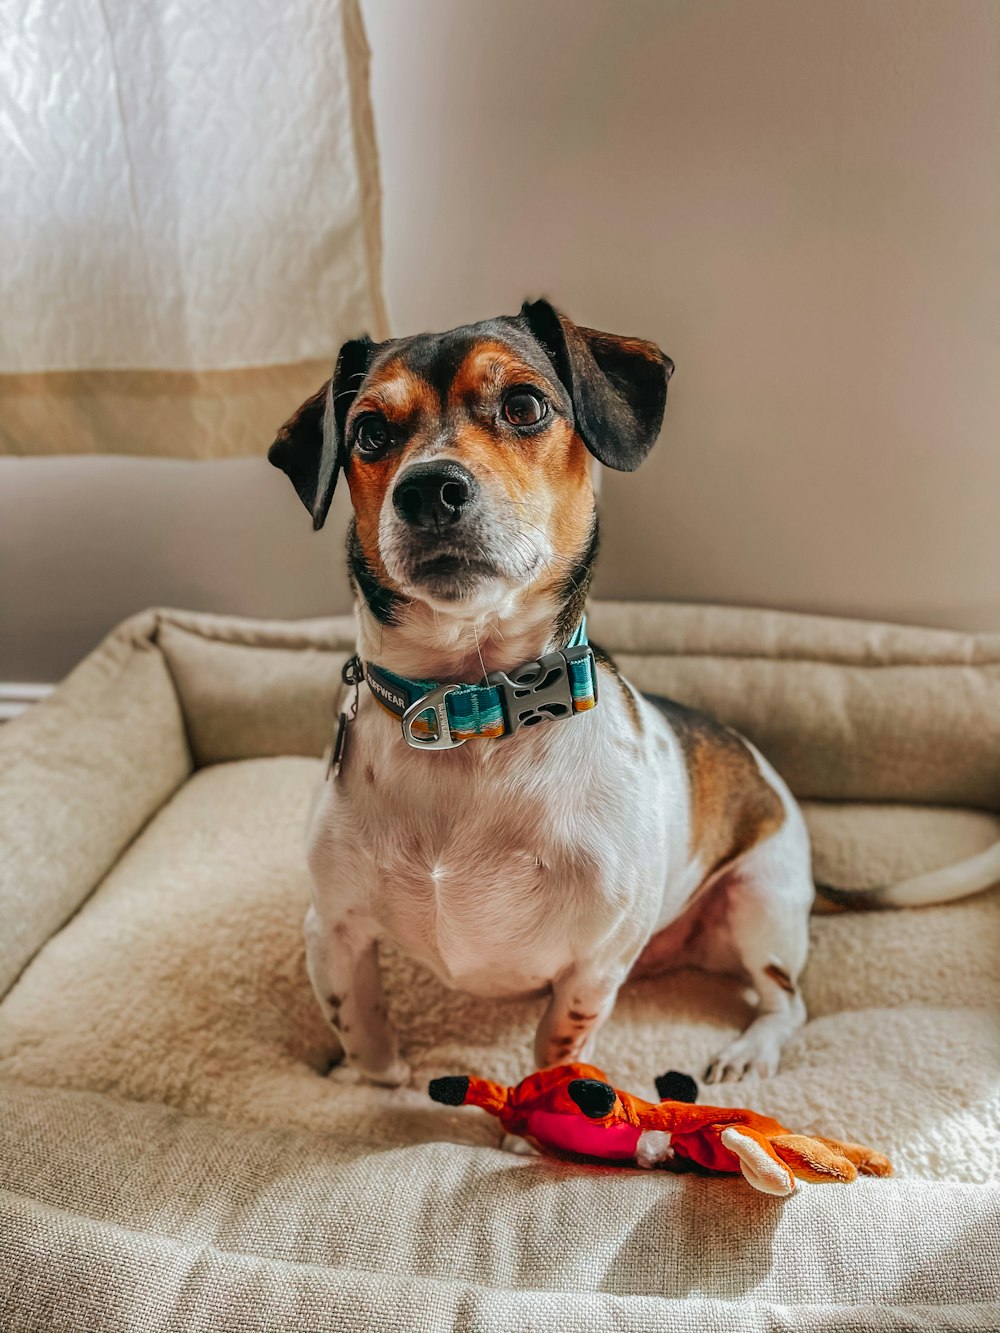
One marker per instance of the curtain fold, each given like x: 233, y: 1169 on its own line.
x: 190, y: 221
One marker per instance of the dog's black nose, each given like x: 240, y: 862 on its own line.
x: 433, y: 495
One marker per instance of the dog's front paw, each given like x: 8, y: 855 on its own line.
x: 393, y: 1075
x: 744, y: 1056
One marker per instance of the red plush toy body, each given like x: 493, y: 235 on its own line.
x: 573, y: 1109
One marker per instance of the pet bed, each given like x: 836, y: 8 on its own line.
x: 173, y: 1154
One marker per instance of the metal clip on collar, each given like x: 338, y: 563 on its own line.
x: 539, y: 691
x: 436, y: 701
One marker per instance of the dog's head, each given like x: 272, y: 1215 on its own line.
x: 468, y: 453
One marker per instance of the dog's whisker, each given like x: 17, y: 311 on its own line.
x: 479, y: 651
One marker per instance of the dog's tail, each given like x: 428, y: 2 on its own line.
x: 977, y: 872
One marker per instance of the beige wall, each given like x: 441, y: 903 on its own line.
x: 800, y: 201
x: 85, y: 542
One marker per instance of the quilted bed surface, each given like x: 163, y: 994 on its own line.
x: 182, y: 981
x: 126, y: 1217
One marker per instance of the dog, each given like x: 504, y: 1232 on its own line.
x: 568, y: 832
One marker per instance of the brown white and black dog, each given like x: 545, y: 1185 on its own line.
x: 631, y: 837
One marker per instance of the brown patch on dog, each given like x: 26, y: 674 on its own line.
x: 489, y: 369
x: 404, y: 399
x: 369, y: 775
x: 547, y: 474
x: 781, y: 977
x: 397, y: 392
x: 733, y: 808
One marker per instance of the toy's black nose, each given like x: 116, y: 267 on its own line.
x: 433, y: 495
x: 595, y: 1099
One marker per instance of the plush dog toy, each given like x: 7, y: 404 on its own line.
x: 573, y: 1109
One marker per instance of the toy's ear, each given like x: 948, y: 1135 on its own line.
x: 310, y: 447
x: 676, y: 1087
x: 618, y: 386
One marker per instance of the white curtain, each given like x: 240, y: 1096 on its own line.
x: 190, y: 219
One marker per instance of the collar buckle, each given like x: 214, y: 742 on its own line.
x: 541, y: 691
x: 433, y: 701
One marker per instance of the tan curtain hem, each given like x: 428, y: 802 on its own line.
x: 153, y: 413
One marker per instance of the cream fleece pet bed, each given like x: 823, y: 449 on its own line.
x: 174, y: 1155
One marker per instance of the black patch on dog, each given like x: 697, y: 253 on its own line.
x: 618, y: 386
x: 576, y: 587
x: 381, y: 601
x: 307, y: 451
x: 437, y: 357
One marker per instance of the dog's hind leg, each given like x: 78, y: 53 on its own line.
x: 766, y: 920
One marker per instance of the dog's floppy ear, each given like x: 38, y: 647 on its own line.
x: 618, y: 386
x: 310, y: 447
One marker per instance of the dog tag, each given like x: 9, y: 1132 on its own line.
x: 351, y: 674
x: 337, y: 753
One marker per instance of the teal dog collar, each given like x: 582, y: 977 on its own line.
x: 438, y: 716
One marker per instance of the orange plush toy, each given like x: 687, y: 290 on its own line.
x: 573, y: 1109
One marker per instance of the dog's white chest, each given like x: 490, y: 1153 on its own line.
x: 499, y: 868
x: 483, y: 894
x: 480, y: 917
x: 491, y: 874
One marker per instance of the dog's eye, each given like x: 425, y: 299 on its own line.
x: 371, y: 434
x: 524, y: 407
